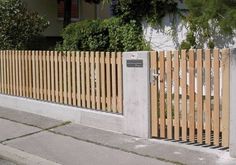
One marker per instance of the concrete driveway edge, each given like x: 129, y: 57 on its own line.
x: 22, y: 158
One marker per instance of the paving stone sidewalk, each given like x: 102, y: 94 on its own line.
x: 68, y: 143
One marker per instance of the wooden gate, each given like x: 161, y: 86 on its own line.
x: 190, y: 96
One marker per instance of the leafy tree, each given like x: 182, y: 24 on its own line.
x: 209, y: 21
x: 18, y: 25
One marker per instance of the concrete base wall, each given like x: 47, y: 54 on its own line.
x: 92, y: 118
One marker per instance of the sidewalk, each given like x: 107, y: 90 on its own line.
x: 31, y: 139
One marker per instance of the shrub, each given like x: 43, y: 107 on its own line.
x: 18, y: 25
x: 103, y: 35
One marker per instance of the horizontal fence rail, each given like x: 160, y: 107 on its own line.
x: 84, y: 79
x: 190, y: 96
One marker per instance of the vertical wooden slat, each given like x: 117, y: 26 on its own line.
x: 103, y: 81
x: 114, y: 81
x: 2, y: 72
x: 52, y: 76
x: 65, y: 77
x: 120, y: 82
x: 92, y: 72
x: 8, y: 73
x: 37, y: 73
x: 26, y: 73
x: 48, y: 77
x: 45, y: 75
x: 225, y: 97
x: 23, y: 72
x: 14, y: 72
x: 20, y: 72
x: 73, y: 79
x: 33, y: 74
x: 11, y: 72
x: 60, y: 61
x: 30, y: 74
x: 169, y: 95
x: 154, y: 86
x: 78, y: 76
x: 56, y: 78
x: 191, y: 96
x: 162, y: 95
x: 87, y: 73
x: 208, y: 96
x: 216, y: 119
x: 176, y: 96
x: 69, y: 77
x: 41, y: 75
x: 108, y: 82
x: 199, y: 98
x: 83, y: 79
x: 184, y: 95
x: 98, y: 84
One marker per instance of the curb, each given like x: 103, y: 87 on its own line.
x: 22, y: 158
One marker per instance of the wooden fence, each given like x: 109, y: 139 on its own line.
x: 85, y: 79
x: 190, y: 96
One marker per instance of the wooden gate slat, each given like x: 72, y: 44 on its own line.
x: 68, y: 61
x: 154, y: 88
x: 98, y: 82
x: 78, y: 76
x: 199, y: 98
x: 114, y: 82
x: 225, y: 97
x: 83, y: 79
x: 169, y: 95
x: 92, y: 71
x: 120, y: 82
x: 52, y: 76
x: 108, y: 81
x: 103, y: 81
x: 73, y: 78
x: 65, y: 83
x: 216, y: 116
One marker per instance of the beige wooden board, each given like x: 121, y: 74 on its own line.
x: 114, y: 82
x: 108, y: 81
x: 73, y: 78
x: 13, y: 73
x: 26, y: 73
x: 41, y: 75
x: 92, y: 72
x: 216, y: 111
x: 5, y: 72
x: 69, y: 77
x: 56, y: 78
x: 10, y: 72
x: 120, y: 82
x: 20, y: 72
x: 176, y: 96
x: 88, y: 85
x: 154, y: 98
x: 48, y: 76
x: 60, y: 65
x: 199, y: 98
x: 2, y: 72
x: 225, y: 96
x: 184, y: 95
x: 83, y: 79
x: 191, y: 96
x: 169, y: 95
x: 78, y: 77
x: 64, y: 59
x: 52, y: 57
x: 30, y: 74
x: 37, y: 73
x: 162, y: 95
x: 45, y: 75
x: 103, y: 81
x: 208, y: 96
x: 98, y: 81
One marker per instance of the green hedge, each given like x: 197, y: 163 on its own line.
x: 103, y: 35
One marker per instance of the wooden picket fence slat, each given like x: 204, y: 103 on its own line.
x: 83, y: 79
x: 191, y: 101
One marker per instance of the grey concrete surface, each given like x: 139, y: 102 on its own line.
x: 9, y: 129
x: 136, y: 95
x: 233, y: 103
x: 28, y: 118
x: 92, y: 118
x: 159, y: 149
x: 5, y: 162
x: 69, y: 151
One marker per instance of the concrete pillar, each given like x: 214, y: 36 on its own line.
x: 136, y: 94
x: 232, y: 145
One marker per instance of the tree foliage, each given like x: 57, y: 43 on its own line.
x: 208, y: 21
x: 18, y: 25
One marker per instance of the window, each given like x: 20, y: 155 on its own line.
x: 74, y: 9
